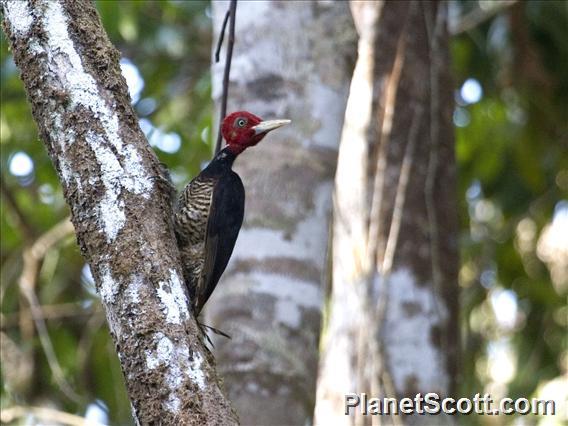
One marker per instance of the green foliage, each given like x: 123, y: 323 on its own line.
x: 512, y: 157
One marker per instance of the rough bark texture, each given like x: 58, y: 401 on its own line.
x: 291, y: 60
x: 393, y: 311
x: 120, y: 208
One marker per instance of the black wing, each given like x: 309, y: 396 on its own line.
x: 225, y: 220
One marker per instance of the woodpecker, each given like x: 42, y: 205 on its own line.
x: 209, y: 211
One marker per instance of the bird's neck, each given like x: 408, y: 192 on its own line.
x: 224, y: 159
x: 235, y: 149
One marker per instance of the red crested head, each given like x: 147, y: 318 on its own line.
x: 242, y: 129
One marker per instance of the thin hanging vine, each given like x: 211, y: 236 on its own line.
x: 231, y: 13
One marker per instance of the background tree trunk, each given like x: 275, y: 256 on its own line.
x: 291, y: 60
x: 393, y: 310
x: 120, y: 208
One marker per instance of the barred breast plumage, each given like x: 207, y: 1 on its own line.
x: 190, y: 224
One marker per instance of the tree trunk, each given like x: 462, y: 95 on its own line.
x: 393, y: 310
x: 291, y: 60
x: 120, y: 208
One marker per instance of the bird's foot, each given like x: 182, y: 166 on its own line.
x: 204, y: 327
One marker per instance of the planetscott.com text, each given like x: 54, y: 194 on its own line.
x: 432, y: 403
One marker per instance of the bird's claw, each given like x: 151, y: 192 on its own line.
x: 203, y: 328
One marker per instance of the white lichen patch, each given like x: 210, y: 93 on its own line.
x: 111, y: 210
x: 411, y: 314
x: 133, y: 290
x: 80, y: 85
x: 65, y: 136
x: 108, y: 287
x: 173, y: 299
x: 65, y: 170
x: 19, y: 15
x: 135, y: 179
x: 117, y: 174
x: 162, y: 354
x: 173, y: 403
x: 196, y: 372
x: 35, y: 47
x: 179, y: 367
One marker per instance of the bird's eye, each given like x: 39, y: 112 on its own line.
x: 241, y: 122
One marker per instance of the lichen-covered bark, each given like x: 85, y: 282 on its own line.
x: 120, y: 207
x: 291, y: 60
x: 393, y: 310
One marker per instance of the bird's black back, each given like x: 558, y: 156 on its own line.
x: 207, y: 221
x: 225, y: 220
